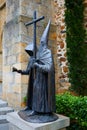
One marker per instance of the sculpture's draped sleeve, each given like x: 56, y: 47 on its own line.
x: 29, y: 66
x: 44, y: 61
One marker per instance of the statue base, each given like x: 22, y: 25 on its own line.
x: 37, y: 117
x: 17, y: 123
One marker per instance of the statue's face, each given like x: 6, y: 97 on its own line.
x: 29, y: 49
x: 30, y: 53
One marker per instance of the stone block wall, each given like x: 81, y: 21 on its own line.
x: 1, y: 67
x: 2, y: 21
x: 61, y: 45
x: 14, y: 55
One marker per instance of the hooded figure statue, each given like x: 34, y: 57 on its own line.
x: 41, y: 87
x: 44, y: 84
x: 29, y: 71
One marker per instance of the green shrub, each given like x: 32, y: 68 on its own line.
x: 76, y: 46
x: 25, y: 99
x: 73, y: 107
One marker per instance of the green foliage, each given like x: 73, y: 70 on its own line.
x: 76, y: 47
x: 73, y: 107
x: 25, y: 99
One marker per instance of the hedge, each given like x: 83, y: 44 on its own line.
x: 73, y: 107
x: 76, y: 46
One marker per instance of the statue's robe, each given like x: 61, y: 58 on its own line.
x: 44, y: 83
x: 29, y: 71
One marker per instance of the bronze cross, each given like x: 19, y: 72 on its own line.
x: 35, y: 20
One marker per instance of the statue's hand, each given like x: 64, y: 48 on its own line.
x: 33, y: 60
x: 19, y: 71
x: 14, y: 69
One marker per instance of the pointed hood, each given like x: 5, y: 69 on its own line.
x: 29, y: 49
x: 44, y: 38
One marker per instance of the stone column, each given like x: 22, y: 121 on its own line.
x: 15, y: 39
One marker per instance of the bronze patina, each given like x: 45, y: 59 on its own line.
x: 40, y: 106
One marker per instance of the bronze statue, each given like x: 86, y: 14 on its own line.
x: 44, y: 84
x: 41, y: 90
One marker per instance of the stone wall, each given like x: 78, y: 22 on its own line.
x: 2, y: 21
x: 57, y: 37
x: 61, y: 45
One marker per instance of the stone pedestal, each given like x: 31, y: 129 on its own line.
x: 16, y: 123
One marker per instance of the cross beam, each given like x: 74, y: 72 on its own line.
x: 35, y: 20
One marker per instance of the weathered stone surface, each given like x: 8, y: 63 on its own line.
x: 7, y: 69
x: 18, y: 124
x: 11, y: 60
x: 65, y: 54
x: 24, y: 79
x: 61, y: 45
x: 3, y: 103
x: 22, y: 57
x: 17, y: 78
x: 0, y: 67
x: 62, y: 59
x: 61, y: 49
x: 65, y: 69
x: 2, y: 21
x: 53, y: 36
x: 5, y: 110
x: 9, y: 77
x: 17, y: 89
x: 15, y: 99
x: 11, y: 34
x: 38, y: 1
x: 13, y: 9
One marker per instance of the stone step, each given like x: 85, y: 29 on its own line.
x: 4, y: 126
x: 3, y: 103
x: 5, y: 110
x: 3, y: 119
